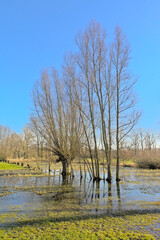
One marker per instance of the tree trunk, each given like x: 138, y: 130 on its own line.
x: 109, y: 179
x: 65, y: 167
x: 117, y: 143
x: 117, y: 130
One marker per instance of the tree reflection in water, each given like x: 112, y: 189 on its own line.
x: 34, y: 191
x: 99, y: 195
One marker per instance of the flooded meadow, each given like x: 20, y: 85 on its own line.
x: 28, y: 199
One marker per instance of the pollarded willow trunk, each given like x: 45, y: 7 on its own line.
x: 65, y: 166
x: 65, y: 169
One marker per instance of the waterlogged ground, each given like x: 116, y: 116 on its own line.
x: 42, y: 206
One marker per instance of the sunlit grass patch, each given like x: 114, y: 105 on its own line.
x: 149, y: 203
x: 127, y: 227
x: 7, y: 166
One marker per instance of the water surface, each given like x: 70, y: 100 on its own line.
x: 138, y: 189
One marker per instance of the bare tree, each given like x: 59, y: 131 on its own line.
x: 51, y: 118
x: 38, y: 141
x: 110, y: 90
x: 74, y: 114
x: 141, y: 137
x: 84, y: 59
x: 126, y: 115
x: 150, y: 140
x: 27, y: 136
x: 91, y: 60
x: 135, y: 142
x: 15, y: 145
x: 5, y: 133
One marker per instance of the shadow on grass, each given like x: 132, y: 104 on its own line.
x: 44, y: 221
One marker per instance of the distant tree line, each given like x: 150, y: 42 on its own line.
x: 141, y: 146
x: 20, y: 146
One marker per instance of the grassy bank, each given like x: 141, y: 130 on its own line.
x: 7, y: 166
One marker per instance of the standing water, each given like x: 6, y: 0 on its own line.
x: 138, y: 189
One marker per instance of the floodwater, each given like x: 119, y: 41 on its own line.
x: 138, y: 190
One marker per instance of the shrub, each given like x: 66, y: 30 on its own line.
x: 148, y: 159
x: 2, y: 157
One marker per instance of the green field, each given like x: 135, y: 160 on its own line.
x: 7, y: 166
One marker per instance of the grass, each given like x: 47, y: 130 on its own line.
x: 67, y: 226
x: 125, y: 163
x: 7, y: 166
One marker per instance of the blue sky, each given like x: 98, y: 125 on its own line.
x: 35, y: 34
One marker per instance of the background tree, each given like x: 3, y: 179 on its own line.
x: 4, y: 139
x: 150, y: 140
x: 27, y: 136
x: 16, y: 146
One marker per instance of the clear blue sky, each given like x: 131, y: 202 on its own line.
x: 35, y: 34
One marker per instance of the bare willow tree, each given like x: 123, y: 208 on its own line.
x: 110, y: 91
x: 75, y: 86
x: 52, y: 118
x: 96, y: 84
x: 126, y: 115
x: 75, y: 114
x: 85, y: 63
